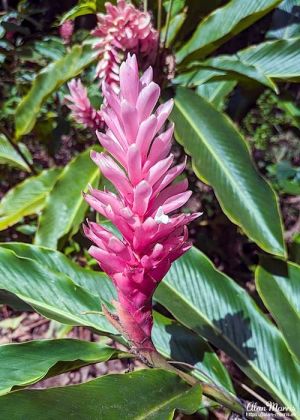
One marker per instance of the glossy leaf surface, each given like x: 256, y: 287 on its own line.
x: 220, y: 158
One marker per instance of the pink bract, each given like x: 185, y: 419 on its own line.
x: 66, y: 31
x: 140, y: 166
x: 82, y: 110
x: 123, y: 29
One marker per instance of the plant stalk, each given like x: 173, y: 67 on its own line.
x: 212, y: 391
x: 145, y: 6
x: 168, y: 23
x: 159, y: 12
x: 152, y: 359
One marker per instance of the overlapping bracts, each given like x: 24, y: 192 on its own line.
x: 81, y: 107
x: 123, y: 28
x: 139, y: 164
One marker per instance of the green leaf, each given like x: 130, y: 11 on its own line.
x: 24, y: 364
x: 216, y: 91
x: 222, y: 24
x: 9, y: 156
x: 145, y: 394
x: 287, y: 103
x: 295, y: 249
x: 221, y: 159
x: 52, y: 294
x: 170, y: 338
x: 177, y: 6
x: 81, y: 9
x: 47, y: 82
x: 264, y: 62
x: 175, y: 25
x: 237, y: 69
x: 178, y: 343
x: 198, y: 77
x: 196, y: 12
x: 276, y: 59
x: 215, y: 307
x: 278, y: 284
x: 51, y: 47
x: 7, y: 298
x: 285, y: 20
x: 65, y: 207
x: 286, y: 177
x: 95, y: 282
x: 26, y: 198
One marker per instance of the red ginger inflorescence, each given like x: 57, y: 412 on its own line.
x: 81, y: 107
x: 123, y: 28
x: 66, y: 31
x: 139, y: 165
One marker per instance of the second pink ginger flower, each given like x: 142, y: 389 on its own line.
x: 139, y: 165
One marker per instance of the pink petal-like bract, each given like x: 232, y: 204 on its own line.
x: 82, y: 110
x: 123, y: 28
x: 66, y: 31
x: 139, y: 164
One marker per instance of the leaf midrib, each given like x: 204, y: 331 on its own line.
x: 256, y: 215
x: 66, y: 315
x: 197, y: 130
x: 159, y: 407
x: 38, y: 376
x: 219, y: 332
x: 220, y: 11
x: 254, y: 48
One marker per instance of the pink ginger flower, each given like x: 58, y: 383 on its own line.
x: 139, y: 165
x: 66, y: 31
x: 81, y: 107
x: 123, y: 29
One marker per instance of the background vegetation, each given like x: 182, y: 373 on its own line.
x: 230, y: 307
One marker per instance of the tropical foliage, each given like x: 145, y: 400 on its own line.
x: 227, y: 314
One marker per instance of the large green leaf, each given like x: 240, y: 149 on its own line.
x: 87, y: 7
x: 221, y: 158
x: 145, y: 394
x: 285, y: 20
x: 84, y: 7
x: 236, y: 69
x: 171, y: 339
x: 175, y: 25
x: 216, y: 91
x: 95, y: 282
x: 276, y: 59
x: 278, y: 284
x: 47, y: 82
x: 26, y: 363
x: 65, y: 207
x: 26, y: 198
x: 222, y: 24
x: 195, y: 10
x: 52, y: 294
x: 9, y: 156
x: 178, y: 343
x: 199, y: 76
x: 215, y: 307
